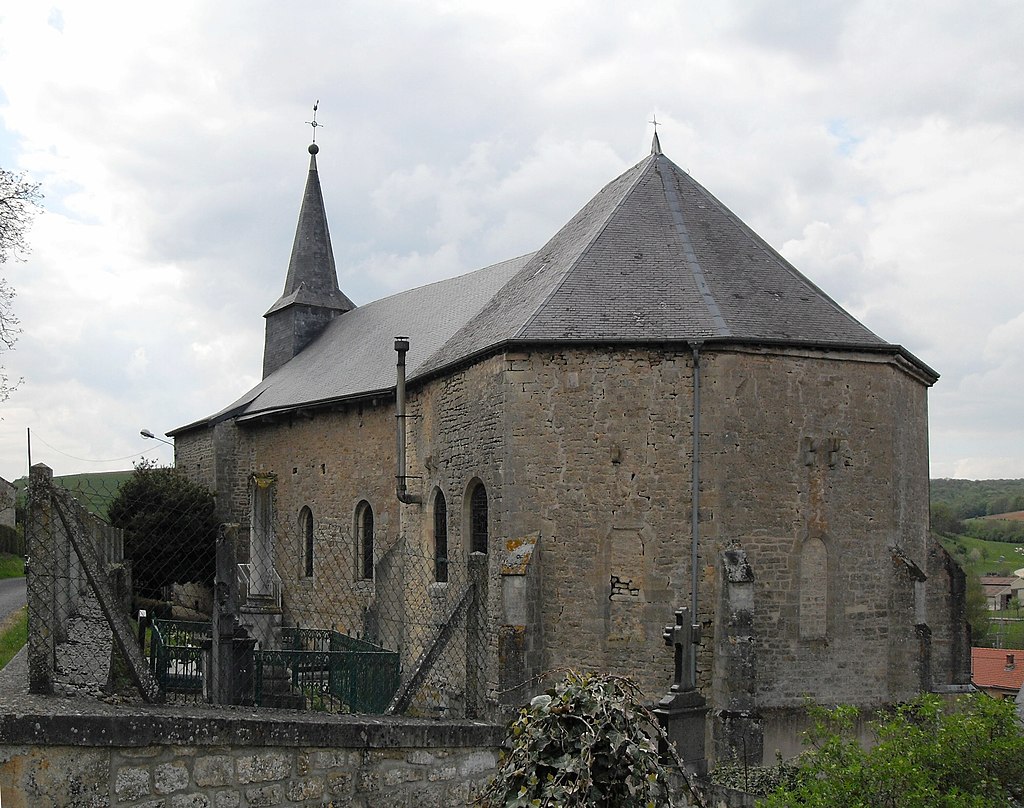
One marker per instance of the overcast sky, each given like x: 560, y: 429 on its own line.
x: 878, y: 145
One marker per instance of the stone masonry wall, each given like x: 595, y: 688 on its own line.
x: 145, y: 762
x: 795, y: 446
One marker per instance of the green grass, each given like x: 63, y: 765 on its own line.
x: 13, y: 635
x: 95, y: 491
x: 978, y: 557
x: 11, y: 566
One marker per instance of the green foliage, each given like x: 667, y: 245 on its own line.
x: 758, y: 780
x: 12, y: 566
x: 13, y: 635
x: 944, y: 519
x: 926, y: 755
x: 170, y: 528
x: 11, y: 541
x: 978, y: 616
x: 1001, y: 530
x: 586, y: 743
x: 970, y: 498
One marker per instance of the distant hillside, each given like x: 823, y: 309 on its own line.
x: 94, y: 491
x: 968, y: 499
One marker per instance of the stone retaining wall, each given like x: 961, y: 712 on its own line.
x: 162, y: 761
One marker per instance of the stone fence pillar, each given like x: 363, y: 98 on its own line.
x: 40, y: 540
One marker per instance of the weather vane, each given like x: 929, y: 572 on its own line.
x: 313, y: 122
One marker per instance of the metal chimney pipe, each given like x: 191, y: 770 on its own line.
x: 401, y: 348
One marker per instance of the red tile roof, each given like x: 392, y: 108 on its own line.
x: 989, y: 668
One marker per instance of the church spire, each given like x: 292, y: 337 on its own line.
x: 311, y: 296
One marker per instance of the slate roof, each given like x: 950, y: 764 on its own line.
x: 652, y: 258
x: 991, y: 667
x: 312, y: 276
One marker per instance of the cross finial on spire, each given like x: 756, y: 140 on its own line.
x: 313, y: 122
x: 655, y: 144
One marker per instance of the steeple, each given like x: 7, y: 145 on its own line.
x: 311, y: 296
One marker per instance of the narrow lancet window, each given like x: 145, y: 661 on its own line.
x: 440, y: 539
x: 478, y: 519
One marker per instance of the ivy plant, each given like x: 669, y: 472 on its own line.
x: 588, y: 742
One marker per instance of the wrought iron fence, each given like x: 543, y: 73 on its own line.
x: 276, y: 613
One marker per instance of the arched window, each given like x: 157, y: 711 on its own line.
x: 478, y: 519
x: 306, y: 523
x: 813, y: 590
x: 364, y: 532
x: 440, y: 539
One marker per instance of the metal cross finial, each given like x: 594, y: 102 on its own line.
x: 313, y: 122
x: 654, y: 120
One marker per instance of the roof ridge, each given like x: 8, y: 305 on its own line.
x: 689, y: 254
x: 767, y: 248
x: 651, y: 160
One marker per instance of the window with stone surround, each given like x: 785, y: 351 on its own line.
x: 478, y: 518
x: 364, y: 534
x: 306, y: 524
x: 440, y: 538
x: 813, y: 590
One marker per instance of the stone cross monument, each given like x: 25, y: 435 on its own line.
x: 683, y: 710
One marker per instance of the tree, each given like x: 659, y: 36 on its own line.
x: 170, y: 528
x: 926, y: 753
x: 978, y: 617
x: 586, y: 743
x: 19, y: 201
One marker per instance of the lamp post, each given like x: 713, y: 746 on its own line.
x: 147, y: 434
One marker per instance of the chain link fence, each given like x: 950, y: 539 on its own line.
x: 160, y: 602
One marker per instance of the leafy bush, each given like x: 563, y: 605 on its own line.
x: 926, y: 755
x: 588, y: 743
x: 170, y: 528
x: 1003, y: 530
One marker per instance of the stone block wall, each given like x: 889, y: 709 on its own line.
x: 122, y: 763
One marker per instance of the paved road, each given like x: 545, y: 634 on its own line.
x: 12, y: 595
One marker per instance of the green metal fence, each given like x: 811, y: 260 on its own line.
x: 175, y: 655
x: 331, y: 670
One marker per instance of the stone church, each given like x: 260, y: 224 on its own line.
x: 655, y: 410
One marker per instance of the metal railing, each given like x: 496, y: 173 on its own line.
x: 357, y: 680
x: 176, y: 649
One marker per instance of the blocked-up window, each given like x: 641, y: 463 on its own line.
x: 261, y: 536
x: 813, y: 589
x: 440, y: 539
x: 306, y: 523
x: 478, y: 519
x: 364, y: 532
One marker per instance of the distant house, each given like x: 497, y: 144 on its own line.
x: 1000, y: 590
x: 999, y: 672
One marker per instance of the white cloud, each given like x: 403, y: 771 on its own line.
x: 879, y: 146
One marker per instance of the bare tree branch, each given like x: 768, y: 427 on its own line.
x: 19, y: 203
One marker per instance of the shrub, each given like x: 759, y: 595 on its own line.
x: 926, y: 754
x: 586, y: 742
x: 170, y: 528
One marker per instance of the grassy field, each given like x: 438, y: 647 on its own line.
x: 13, y: 635
x: 11, y: 566
x: 94, y: 491
x: 978, y: 557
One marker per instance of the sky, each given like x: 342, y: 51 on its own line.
x: 879, y: 146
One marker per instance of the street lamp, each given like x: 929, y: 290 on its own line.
x: 147, y: 434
